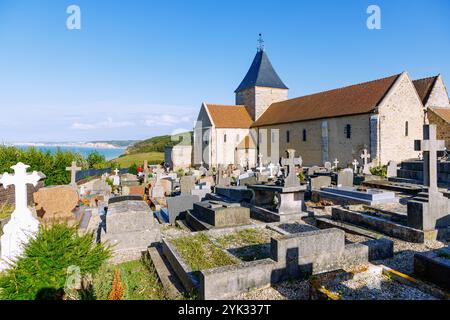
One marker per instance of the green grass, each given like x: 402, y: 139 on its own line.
x: 157, y: 144
x: 200, y: 253
x: 140, y: 281
x: 246, y: 237
x: 128, y: 160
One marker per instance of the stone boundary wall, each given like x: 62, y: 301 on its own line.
x: 8, y: 195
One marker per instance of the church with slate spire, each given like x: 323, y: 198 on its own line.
x: 384, y: 116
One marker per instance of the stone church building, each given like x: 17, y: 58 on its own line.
x: 385, y: 116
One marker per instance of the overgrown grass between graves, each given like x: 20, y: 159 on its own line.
x: 6, y: 210
x: 200, y: 253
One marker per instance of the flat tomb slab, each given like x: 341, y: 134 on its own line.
x: 434, y: 266
x: 221, y: 214
x: 370, y: 196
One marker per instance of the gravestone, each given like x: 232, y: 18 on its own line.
x: 365, y: 157
x: 73, y: 173
x: 336, y: 163
x: 22, y: 224
x: 345, y: 178
x: 391, y: 169
x: 291, y: 179
x: 318, y: 182
x: 327, y: 165
x: 130, y: 228
x: 177, y: 206
x: 167, y: 184
x: 430, y: 211
x: 116, y: 178
x: 187, y: 184
x: 272, y: 170
x: 312, y: 170
x: 55, y: 204
x: 355, y: 164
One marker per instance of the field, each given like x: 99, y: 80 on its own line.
x: 151, y: 157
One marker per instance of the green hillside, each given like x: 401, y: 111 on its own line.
x: 156, y: 144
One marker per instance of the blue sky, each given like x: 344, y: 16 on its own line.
x: 140, y: 68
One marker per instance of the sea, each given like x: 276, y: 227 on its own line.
x: 109, y: 153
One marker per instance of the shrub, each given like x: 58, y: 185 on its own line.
x: 133, y: 169
x: 41, y: 271
x: 96, y: 160
x: 379, y: 171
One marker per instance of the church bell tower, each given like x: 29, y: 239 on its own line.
x: 261, y: 86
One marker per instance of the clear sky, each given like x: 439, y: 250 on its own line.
x: 140, y: 68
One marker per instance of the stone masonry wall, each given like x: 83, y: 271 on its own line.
x: 7, y: 195
x: 443, y: 127
x: 439, y: 95
x: 258, y: 99
x: 401, y: 105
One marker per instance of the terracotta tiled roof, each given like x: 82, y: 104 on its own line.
x: 444, y: 113
x: 229, y: 116
x: 424, y: 87
x: 355, y: 99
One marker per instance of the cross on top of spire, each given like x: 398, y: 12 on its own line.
x: 260, y: 43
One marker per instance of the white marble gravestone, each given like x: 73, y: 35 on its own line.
x: 22, y: 224
x: 365, y: 157
x: 73, y: 174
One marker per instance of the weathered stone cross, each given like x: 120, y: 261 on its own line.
x: 355, y: 165
x: 336, y: 162
x: 271, y: 168
x: 429, y: 146
x: 291, y: 180
x: 261, y: 167
x: 73, y: 173
x: 365, y: 156
x: 116, y: 171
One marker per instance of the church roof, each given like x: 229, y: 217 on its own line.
x: 444, y: 113
x: 351, y: 100
x: 424, y: 87
x: 261, y: 74
x: 224, y: 116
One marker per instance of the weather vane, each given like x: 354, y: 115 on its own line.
x: 260, y: 43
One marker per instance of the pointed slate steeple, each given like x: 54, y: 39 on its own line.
x: 261, y: 74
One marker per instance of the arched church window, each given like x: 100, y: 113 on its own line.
x: 304, y: 134
x: 224, y: 138
x: 288, y: 136
x: 406, y: 128
x: 348, y: 131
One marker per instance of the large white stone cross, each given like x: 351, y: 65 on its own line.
x: 22, y: 224
x: 116, y: 172
x: 429, y: 146
x: 73, y: 173
x: 291, y: 180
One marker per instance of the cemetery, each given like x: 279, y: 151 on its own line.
x: 278, y: 230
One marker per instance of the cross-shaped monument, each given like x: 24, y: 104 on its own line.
x: 365, y: 157
x: 146, y: 171
x: 336, y: 162
x: 260, y: 167
x: 116, y: 178
x: 429, y: 146
x: 22, y: 224
x: 73, y: 174
x: 271, y: 168
x: 355, y: 165
x: 291, y: 179
x: 433, y: 214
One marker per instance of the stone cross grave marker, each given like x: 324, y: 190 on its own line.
x: 336, y: 162
x: 429, y: 146
x: 260, y: 167
x: 291, y: 180
x: 327, y: 166
x: 73, y: 174
x: 116, y: 179
x: 271, y: 168
x: 355, y: 166
x: 22, y: 224
x: 365, y: 157
x: 146, y: 171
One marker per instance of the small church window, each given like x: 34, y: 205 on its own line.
x: 304, y: 134
x: 288, y: 136
x: 406, y: 128
x: 224, y: 138
x: 348, y: 131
